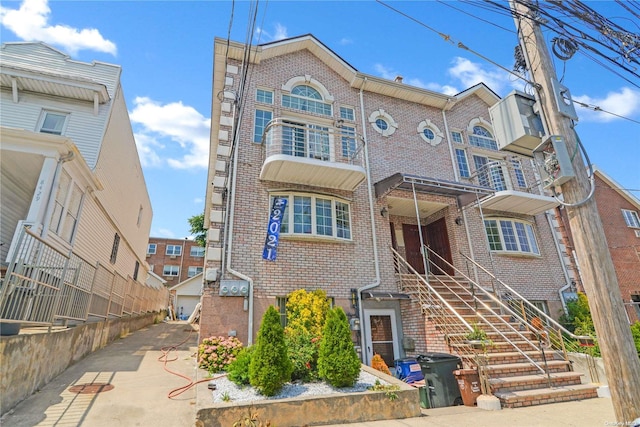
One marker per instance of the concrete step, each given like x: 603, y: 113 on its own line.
x: 517, y: 399
x: 530, y: 382
x: 525, y: 368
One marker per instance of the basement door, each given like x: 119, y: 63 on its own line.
x: 382, y: 335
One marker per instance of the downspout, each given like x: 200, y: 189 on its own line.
x: 374, y: 239
x: 52, y: 197
x: 456, y: 176
x: 231, y: 202
x: 560, y: 258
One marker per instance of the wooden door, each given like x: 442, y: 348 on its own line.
x: 412, y: 246
x: 438, y: 241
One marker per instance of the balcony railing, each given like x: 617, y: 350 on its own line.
x: 512, y: 194
x: 44, y: 286
x: 313, y: 154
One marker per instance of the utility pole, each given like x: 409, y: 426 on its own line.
x: 621, y: 362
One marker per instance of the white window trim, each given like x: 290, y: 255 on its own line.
x: 381, y: 114
x: 502, y: 241
x: 505, y: 173
x: 166, y: 250
x: 199, y: 248
x: 306, y: 126
x: 174, y: 270
x: 428, y: 124
x: 313, y: 235
x: 271, y: 91
x: 353, y: 110
x: 631, y: 218
x: 43, y: 116
x: 310, y: 81
x: 63, y: 214
x: 194, y: 269
x: 155, y: 248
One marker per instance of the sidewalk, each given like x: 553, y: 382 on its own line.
x: 136, y: 386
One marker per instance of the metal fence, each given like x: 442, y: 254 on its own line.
x: 45, y: 286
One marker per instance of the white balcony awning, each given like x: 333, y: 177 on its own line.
x: 519, y: 202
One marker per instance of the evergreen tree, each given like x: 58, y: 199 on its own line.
x: 338, y: 362
x: 270, y: 366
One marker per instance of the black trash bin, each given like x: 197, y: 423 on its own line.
x: 442, y: 386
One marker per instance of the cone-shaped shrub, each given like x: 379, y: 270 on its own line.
x: 270, y: 366
x: 338, y: 362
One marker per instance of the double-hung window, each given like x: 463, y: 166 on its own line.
x: 519, y: 173
x: 171, y: 270
x: 463, y: 164
x: 317, y: 216
x: 490, y: 173
x: 631, y: 218
x: 347, y: 113
x: 193, y: 270
x: 151, y: 249
x: 511, y: 236
x: 66, y: 209
x: 197, y: 251
x: 348, y: 142
x: 174, y: 250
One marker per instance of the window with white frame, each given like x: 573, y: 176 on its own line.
x: 151, y: 249
x: 171, y: 270
x: 306, y: 140
x: 318, y: 216
x: 519, y: 173
x: 306, y: 98
x: 507, y: 235
x: 197, y: 251
x: 482, y: 138
x: 66, y: 209
x: 463, y: 164
x: 264, y: 96
x: 430, y: 132
x: 490, y: 173
x: 382, y: 122
x: 53, y: 122
x: 174, y: 250
x: 631, y: 218
x: 262, y: 119
x: 348, y: 142
x: 347, y: 113
x: 456, y: 137
x: 192, y: 271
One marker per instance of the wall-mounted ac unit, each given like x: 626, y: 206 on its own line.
x: 516, y: 124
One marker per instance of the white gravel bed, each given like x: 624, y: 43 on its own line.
x: 235, y: 393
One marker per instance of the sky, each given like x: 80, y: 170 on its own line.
x: 165, y: 49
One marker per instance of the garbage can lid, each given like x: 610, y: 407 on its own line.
x: 436, y: 357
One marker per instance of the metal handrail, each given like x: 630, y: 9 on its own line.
x: 548, y: 319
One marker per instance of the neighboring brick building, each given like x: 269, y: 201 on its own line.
x: 175, y: 260
x: 365, y: 165
x: 619, y: 211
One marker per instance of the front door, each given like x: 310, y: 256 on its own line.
x: 382, y: 335
x: 412, y: 246
x: 438, y: 240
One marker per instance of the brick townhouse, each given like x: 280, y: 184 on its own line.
x: 323, y: 177
x: 175, y: 260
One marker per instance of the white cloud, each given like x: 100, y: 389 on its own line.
x: 181, y: 126
x: 198, y: 200
x: 625, y: 102
x: 265, y: 36
x: 345, y: 41
x: 471, y: 73
x: 31, y: 22
x: 164, y: 232
x: 390, y: 74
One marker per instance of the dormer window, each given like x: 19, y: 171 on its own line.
x: 53, y: 123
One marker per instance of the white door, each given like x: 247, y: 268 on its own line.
x: 382, y: 335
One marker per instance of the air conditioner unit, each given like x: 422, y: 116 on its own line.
x: 172, y: 257
x: 516, y: 124
x: 637, y: 233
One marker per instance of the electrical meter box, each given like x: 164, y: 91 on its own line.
x: 553, y: 161
x: 516, y: 125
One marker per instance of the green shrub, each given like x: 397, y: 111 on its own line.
x: 238, y: 370
x: 635, y: 331
x: 216, y: 353
x: 270, y: 366
x: 302, y: 349
x: 338, y: 362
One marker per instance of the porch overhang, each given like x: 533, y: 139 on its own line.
x: 519, y: 202
x: 464, y: 193
x: 380, y: 296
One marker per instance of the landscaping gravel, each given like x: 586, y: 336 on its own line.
x: 235, y: 393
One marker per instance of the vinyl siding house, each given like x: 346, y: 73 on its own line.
x: 370, y: 169
x: 71, y: 175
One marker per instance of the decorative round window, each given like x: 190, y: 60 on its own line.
x: 382, y: 122
x: 430, y: 132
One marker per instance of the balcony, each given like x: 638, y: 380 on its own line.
x: 511, y: 194
x: 313, y: 154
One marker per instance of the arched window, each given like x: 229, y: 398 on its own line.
x: 306, y: 92
x: 482, y: 138
x: 306, y: 98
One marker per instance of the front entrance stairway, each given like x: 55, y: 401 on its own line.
x: 523, y: 360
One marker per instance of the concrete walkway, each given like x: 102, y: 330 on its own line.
x: 138, y: 383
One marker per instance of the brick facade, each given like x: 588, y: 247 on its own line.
x: 158, y: 260
x: 340, y: 265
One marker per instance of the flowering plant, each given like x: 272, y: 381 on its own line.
x: 216, y: 353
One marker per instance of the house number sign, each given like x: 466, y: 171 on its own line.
x: 273, y: 231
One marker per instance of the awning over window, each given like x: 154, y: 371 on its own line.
x: 465, y: 193
x: 384, y: 295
